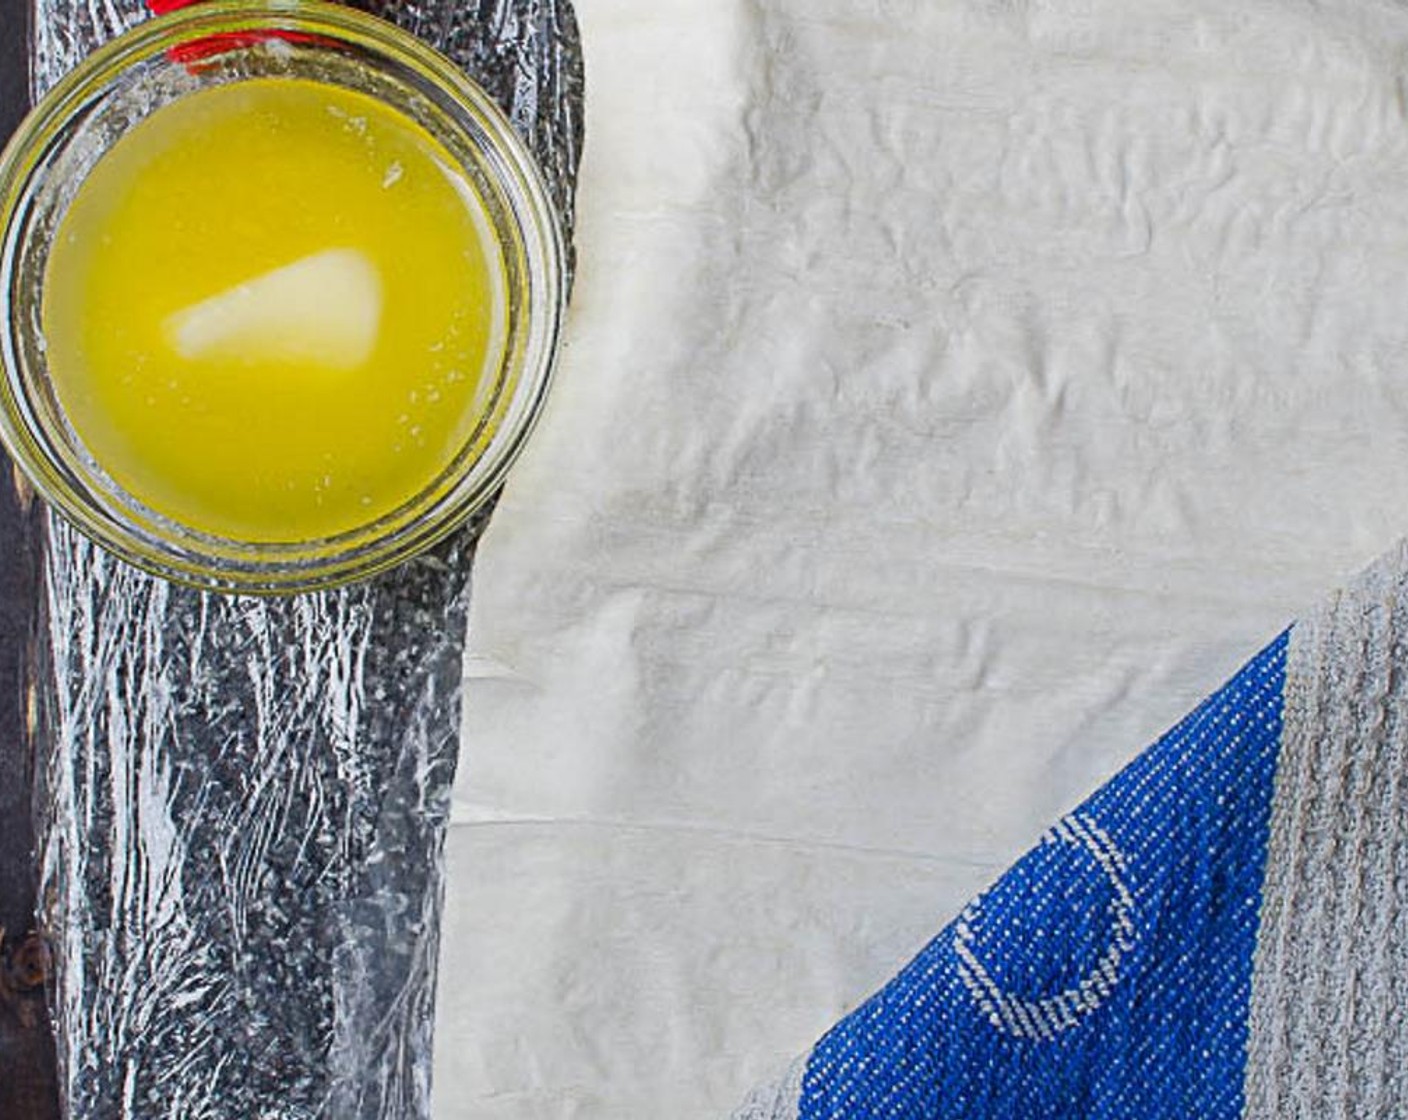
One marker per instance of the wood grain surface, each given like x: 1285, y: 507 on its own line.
x: 28, y: 1086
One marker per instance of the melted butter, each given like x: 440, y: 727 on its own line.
x: 273, y: 310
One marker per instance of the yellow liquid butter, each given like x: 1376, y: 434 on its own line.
x: 274, y: 310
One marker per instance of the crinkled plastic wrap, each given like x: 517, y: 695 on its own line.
x: 244, y: 800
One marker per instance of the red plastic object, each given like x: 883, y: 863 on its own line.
x: 199, y: 49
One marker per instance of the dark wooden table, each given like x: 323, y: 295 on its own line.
x: 28, y: 1089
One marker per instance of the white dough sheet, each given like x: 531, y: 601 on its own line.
x: 955, y: 392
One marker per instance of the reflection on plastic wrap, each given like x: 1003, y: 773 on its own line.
x: 243, y: 862
x: 245, y: 800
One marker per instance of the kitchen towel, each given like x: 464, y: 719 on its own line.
x: 1221, y: 931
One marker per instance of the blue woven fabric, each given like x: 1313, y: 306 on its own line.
x: 1108, y: 973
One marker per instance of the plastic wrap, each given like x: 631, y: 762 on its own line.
x: 243, y: 801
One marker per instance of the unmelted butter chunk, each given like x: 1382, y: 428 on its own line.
x: 322, y: 310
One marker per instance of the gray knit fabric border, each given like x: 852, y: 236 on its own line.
x: 1328, y: 1025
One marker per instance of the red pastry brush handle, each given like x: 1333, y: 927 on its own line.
x: 211, y: 45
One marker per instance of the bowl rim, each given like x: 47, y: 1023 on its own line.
x: 184, y: 554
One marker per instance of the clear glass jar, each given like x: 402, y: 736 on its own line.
x: 236, y: 40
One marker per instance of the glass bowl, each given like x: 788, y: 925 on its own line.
x: 226, y: 41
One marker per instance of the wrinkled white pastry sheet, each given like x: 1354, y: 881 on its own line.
x: 955, y: 392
